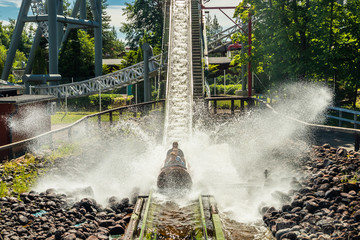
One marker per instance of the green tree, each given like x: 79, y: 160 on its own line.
x: 4, y: 36
x: 77, y: 56
x: 2, y: 57
x: 144, y: 17
x: 306, y: 39
x: 111, y: 46
x: 212, y: 26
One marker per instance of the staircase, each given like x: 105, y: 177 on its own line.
x: 197, y: 67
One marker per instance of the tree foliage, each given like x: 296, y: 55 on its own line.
x: 212, y: 26
x: 313, y: 39
x: 112, y: 46
x: 77, y: 57
x: 144, y: 19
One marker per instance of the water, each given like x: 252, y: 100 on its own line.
x: 227, y: 158
x: 178, y: 118
x: 172, y: 219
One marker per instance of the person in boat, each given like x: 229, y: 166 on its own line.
x: 174, y: 173
x: 175, y: 160
x: 175, y: 149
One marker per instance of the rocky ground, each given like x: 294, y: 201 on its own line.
x: 52, y: 215
x: 48, y: 216
x: 323, y: 205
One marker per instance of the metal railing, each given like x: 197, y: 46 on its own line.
x: 341, y: 119
x: 141, y: 108
x: 121, y: 78
x: 221, y: 39
x: 263, y: 101
x: 214, y: 100
x: 355, y: 132
x: 336, y: 113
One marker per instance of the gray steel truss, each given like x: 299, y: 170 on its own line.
x: 118, y: 79
x: 221, y: 39
x: 54, y: 26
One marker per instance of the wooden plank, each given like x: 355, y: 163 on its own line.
x: 232, y: 106
x: 129, y: 232
x: 203, y: 220
x: 143, y: 226
x: 219, y: 234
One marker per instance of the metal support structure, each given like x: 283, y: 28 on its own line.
x: 53, y: 50
x: 15, y: 39
x: 83, y: 9
x: 249, y: 85
x: 49, y: 14
x: 97, y: 10
x: 249, y: 54
x: 35, y: 45
x: 147, y: 50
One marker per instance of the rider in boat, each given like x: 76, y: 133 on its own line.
x: 174, y: 174
x: 174, y: 160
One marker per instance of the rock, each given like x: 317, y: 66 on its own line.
x: 106, y: 223
x: 116, y: 230
x: 281, y: 232
x: 92, y: 237
x: 282, y: 197
x: 88, y: 205
x: 71, y: 236
x: 21, y: 231
x: 332, y: 193
x: 282, y: 224
x: 23, y: 220
x: 289, y: 235
x: 286, y: 208
x: 311, y: 206
x: 19, y: 208
x: 356, y: 216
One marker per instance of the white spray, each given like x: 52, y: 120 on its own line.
x: 178, y: 118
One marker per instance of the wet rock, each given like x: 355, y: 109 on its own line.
x: 341, y: 152
x: 116, y: 230
x: 92, y: 237
x: 71, y: 236
x: 23, y: 220
x: 106, y: 223
x: 282, y: 224
x: 282, y: 197
x: 312, y: 206
x: 332, y: 193
x: 281, y: 232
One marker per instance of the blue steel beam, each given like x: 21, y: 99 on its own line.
x: 15, y: 39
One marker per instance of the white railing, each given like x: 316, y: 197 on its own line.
x: 340, y: 118
x: 121, y: 78
x: 336, y: 113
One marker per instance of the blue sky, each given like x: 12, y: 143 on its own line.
x: 10, y: 9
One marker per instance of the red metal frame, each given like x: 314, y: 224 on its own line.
x: 249, y: 40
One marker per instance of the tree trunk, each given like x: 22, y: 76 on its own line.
x: 355, y: 96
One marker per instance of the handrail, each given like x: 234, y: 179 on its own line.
x: 66, y: 128
x: 356, y: 132
x: 340, y: 117
x: 120, y: 78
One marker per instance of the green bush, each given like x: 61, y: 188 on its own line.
x: 91, y: 103
x: 230, y: 89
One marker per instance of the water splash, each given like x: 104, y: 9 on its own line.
x: 178, y: 116
x: 227, y: 159
x: 30, y: 121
